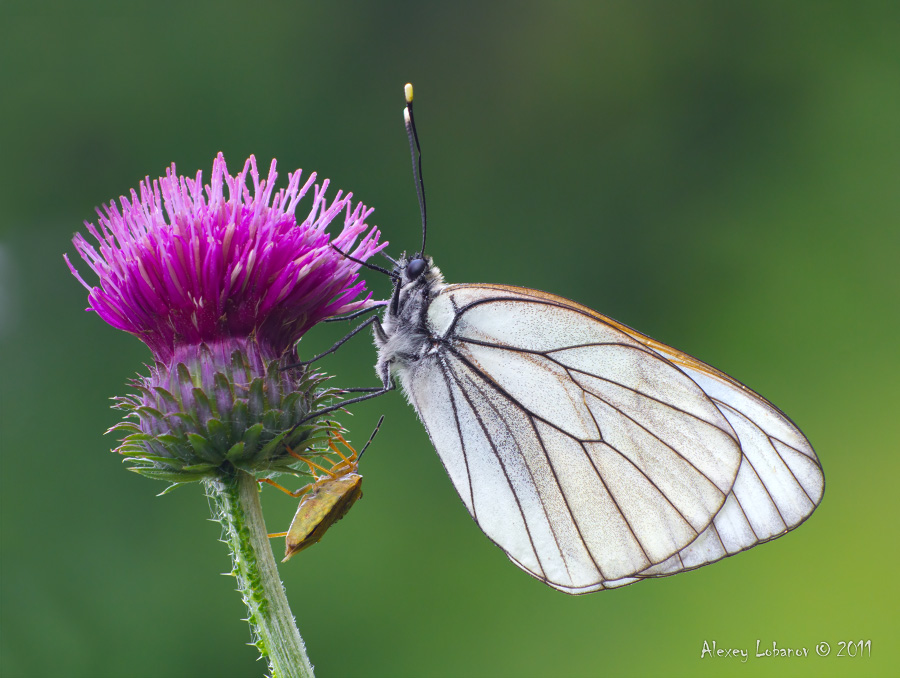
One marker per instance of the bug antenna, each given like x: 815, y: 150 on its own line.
x: 371, y: 438
x: 390, y: 274
x: 416, y: 153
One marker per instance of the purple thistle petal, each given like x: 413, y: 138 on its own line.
x: 180, y: 263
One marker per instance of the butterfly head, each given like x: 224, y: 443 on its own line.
x: 416, y: 281
x: 416, y: 271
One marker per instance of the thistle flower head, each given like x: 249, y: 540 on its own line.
x: 220, y: 280
x: 184, y: 264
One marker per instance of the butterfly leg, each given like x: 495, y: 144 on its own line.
x: 344, y: 403
x: 350, y: 316
x: 374, y: 319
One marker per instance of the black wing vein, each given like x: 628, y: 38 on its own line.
x: 462, y: 444
x: 499, y: 460
x: 562, y: 493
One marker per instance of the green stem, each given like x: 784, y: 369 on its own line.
x: 271, y: 622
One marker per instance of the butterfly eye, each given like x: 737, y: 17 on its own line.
x: 415, y: 268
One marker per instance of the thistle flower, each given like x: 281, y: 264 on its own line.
x: 183, y: 264
x: 220, y: 286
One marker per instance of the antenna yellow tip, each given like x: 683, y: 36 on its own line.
x: 408, y: 92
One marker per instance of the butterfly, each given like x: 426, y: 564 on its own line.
x: 593, y: 455
x: 326, y: 500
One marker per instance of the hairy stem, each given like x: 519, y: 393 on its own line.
x: 274, y: 631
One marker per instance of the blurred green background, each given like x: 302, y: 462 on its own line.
x: 722, y: 176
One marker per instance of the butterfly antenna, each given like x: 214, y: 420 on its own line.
x: 371, y: 438
x: 416, y: 154
x: 390, y: 274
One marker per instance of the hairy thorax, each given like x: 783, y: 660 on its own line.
x: 406, y: 337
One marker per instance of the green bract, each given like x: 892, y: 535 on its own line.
x: 206, y: 417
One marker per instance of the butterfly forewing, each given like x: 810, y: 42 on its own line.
x: 594, y: 455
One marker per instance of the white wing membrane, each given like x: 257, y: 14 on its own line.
x: 779, y: 484
x: 537, y: 384
x: 595, y: 456
x: 437, y: 409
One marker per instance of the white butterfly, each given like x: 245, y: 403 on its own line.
x: 591, y: 454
